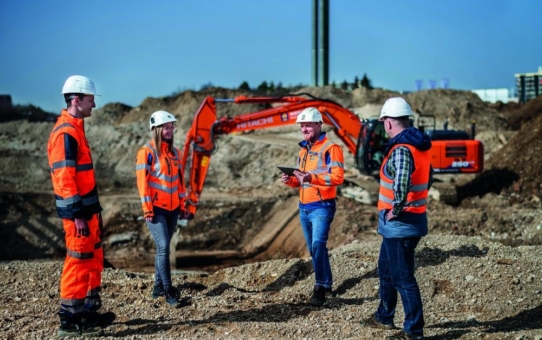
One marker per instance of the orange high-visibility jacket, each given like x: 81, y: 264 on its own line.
x: 160, y: 179
x: 416, y: 201
x: 71, y: 169
x: 327, y: 174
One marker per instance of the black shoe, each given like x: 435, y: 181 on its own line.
x: 402, y: 335
x: 68, y: 326
x: 172, y: 296
x: 158, y: 291
x: 374, y: 323
x: 329, y: 292
x: 318, y: 297
x: 71, y: 325
x: 91, y: 319
x: 173, y: 299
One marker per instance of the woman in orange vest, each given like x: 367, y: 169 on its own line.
x: 162, y: 191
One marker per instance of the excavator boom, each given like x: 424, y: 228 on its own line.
x: 201, y: 138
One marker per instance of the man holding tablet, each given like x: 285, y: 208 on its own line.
x: 320, y: 169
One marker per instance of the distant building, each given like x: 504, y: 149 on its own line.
x: 495, y: 95
x: 529, y: 85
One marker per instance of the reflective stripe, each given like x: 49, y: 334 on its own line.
x: 386, y: 185
x: 71, y: 303
x: 78, y: 255
x: 63, y: 203
x: 163, y: 188
x: 327, y: 179
x: 182, y: 194
x: 63, y: 164
x: 319, y: 171
x: 164, y: 177
x: 90, y: 200
x: 61, y: 126
x: 84, y: 167
x: 413, y: 188
x: 142, y: 166
x: 416, y: 203
x: 338, y: 164
x: 146, y: 199
x: 419, y: 187
x: 384, y: 199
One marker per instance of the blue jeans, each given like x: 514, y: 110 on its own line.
x: 316, y: 223
x: 396, y: 273
x: 162, y: 228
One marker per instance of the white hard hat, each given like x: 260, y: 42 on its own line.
x: 79, y: 84
x: 310, y: 114
x: 395, y: 107
x: 161, y: 117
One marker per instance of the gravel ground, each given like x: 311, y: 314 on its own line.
x: 472, y: 289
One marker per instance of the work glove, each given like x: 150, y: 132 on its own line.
x: 82, y: 228
x: 187, y: 215
x: 184, y: 216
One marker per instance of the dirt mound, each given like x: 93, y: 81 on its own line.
x: 525, y: 114
x: 521, y: 156
x: 109, y: 114
x: 460, y: 108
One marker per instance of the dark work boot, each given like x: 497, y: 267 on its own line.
x: 158, y: 291
x: 95, y: 319
x: 68, y: 325
x: 318, y: 297
x: 172, y: 296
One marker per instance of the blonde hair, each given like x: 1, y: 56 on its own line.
x: 157, y: 138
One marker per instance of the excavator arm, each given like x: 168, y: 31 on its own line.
x: 201, y: 138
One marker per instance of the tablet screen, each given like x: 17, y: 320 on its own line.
x: 287, y: 170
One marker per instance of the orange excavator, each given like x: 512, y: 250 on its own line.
x: 452, y: 151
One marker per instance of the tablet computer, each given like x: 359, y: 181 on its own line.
x: 287, y: 170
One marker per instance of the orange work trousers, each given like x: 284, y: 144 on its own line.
x: 82, y: 273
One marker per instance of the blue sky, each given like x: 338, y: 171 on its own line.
x: 136, y: 49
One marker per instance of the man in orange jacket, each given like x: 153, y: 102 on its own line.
x: 77, y: 204
x: 320, y: 169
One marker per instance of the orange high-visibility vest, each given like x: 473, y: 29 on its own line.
x: 72, y: 171
x: 326, y: 176
x: 160, y: 179
x: 416, y: 201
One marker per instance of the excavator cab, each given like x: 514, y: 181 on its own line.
x: 453, y: 151
x: 372, y: 142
